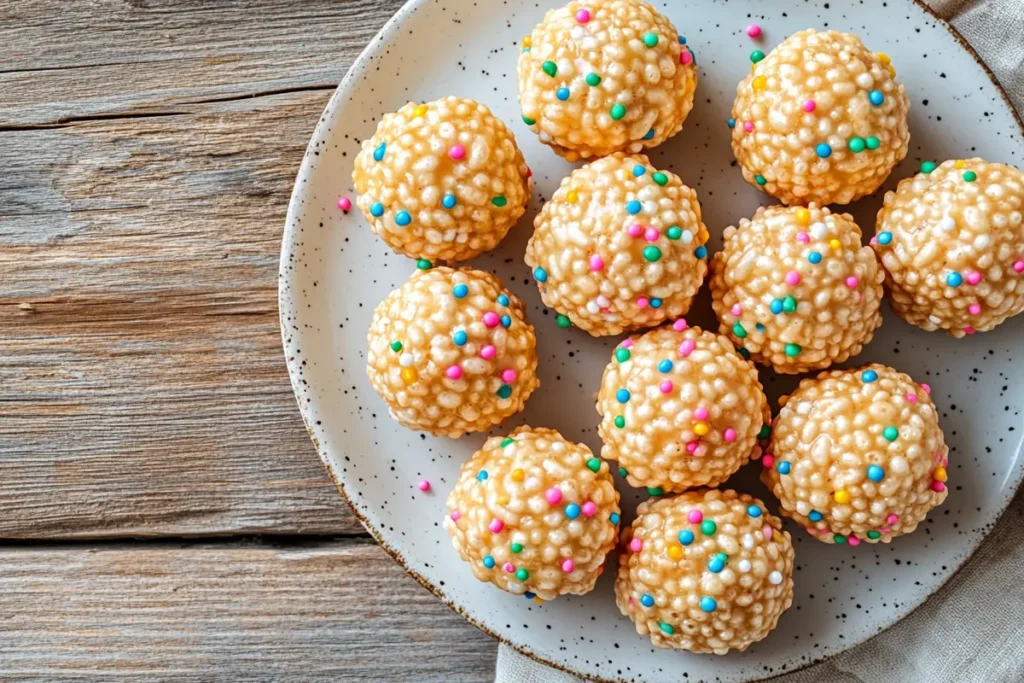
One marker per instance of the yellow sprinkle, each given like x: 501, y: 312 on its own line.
x: 883, y: 58
x: 518, y: 474
x: 803, y: 216
x: 959, y: 163
x: 503, y: 500
x: 939, y: 474
x: 701, y: 428
x: 571, y: 196
x: 537, y: 600
x: 759, y: 83
x: 842, y: 496
x: 527, y: 41
x: 892, y: 71
x: 409, y: 375
x: 835, y: 244
x: 675, y: 551
x: 420, y: 110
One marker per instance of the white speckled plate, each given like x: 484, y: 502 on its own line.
x: 334, y: 271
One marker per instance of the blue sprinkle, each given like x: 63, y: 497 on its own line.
x: 815, y: 516
x: 717, y: 563
x: 572, y: 510
x: 701, y: 251
x: 377, y: 210
x: 759, y: 327
x: 869, y: 376
x: 488, y: 561
x: 378, y: 154
x: 460, y: 291
x: 814, y: 257
x: 449, y: 201
x: 540, y: 275
x: 481, y: 475
x: 639, y: 170
x: 403, y: 218
x: 776, y: 306
x: 622, y: 395
x: 502, y: 300
x: 743, y: 353
x: 732, y: 123
x: 614, y: 518
x: 682, y: 40
x: 884, y: 237
x: 708, y: 604
x: 875, y: 473
x: 506, y: 321
x: 647, y: 600
x: 529, y: 596
x: 633, y: 207
x: 655, y: 303
x: 504, y: 391
x: 665, y: 366
x: 650, y: 135
x: 783, y: 467
x: 460, y: 338
x: 876, y: 97
x: 562, y: 94
x: 686, y: 537
x: 754, y: 511
x: 954, y: 279
x: 824, y: 150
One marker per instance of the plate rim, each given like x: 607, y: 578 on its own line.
x: 392, y: 24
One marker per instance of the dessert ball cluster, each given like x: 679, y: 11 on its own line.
x: 820, y: 119
x: 603, y: 76
x: 619, y: 246
x: 795, y: 289
x: 450, y: 352
x: 707, y: 571
x: 679, y: 409
x: 443, y: 180
x: 534, y: 513
x: 951, y: 240
x: 857, y: 455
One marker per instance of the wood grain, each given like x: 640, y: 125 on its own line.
x: 227, y: 612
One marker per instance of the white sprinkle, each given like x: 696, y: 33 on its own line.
x: 602, y: 301
x: 865, y: 80
x: 687, y: 236
x: 775, y: 578
x: 818, y: 230
x: 982, y: 242
x: 947, y: 224
x: 935, y: 319
x: 748, y: 541
x: 593, y: 307
x: 743, y: 566
x: 405, y: 360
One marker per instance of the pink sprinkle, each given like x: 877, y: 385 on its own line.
x: 636, y: 545
x: 508, y: 376
x: 803, y: 238
x: 491, y: 319
x: 691, y: 447
x: 748, y: 126
x: 873, y: 241
x: 666, y: 386
x: 973, y: 277
x: 753, y: 30
x: 852, y: 281
x: 912, y: 397
x: 687, y: 347
x: 651, y: 234
x: 695, y: 516
x: 635, y: 230
x: 736, y: 310
x: 583, y: 15
x: 938, y: 486
x: 685, y: 57
x: 974, y: 309
x: 554, y: 495
x: 568, y: 566
x: 811, y: 530
x: 700, y: 414
x: 627, y: 343
x: 926, y: 388
x: 344, y: 203
x: 767, y: 531
x: 892, y: 519
x: 809, y: 105
x: 885, y: 529
x: 968, y: 329
x: 853, y: 540
x: 792, y: 278
x: 423, y: 486
x: 596, y: 262
x: 1018, y: 266
x: 679, y: 325
x: 642, y: 302
x: 509, y: 568
x: 453, y: 372
x: 496, y: 526
x: 457, y: 152
x: 487, y: 352
x: 768, y: 461
x: 729, y: 434
x: 589, y: 508
x: 456, y: 515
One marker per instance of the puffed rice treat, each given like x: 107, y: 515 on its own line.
x: 534, y: 514
x: 450, y: 352
x: 603, y: 76
x: 619, y: 246
x: 680, y: 409
x: 442, y: 180
x: 819, y: 119
x: 795, y: 289
x: 707, y: 571
x: 857, y: 455
x: 951, y: 240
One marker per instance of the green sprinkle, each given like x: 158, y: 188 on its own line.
x: 507, y: 442
x: 563, y: 321
x: 593, y: 464
x: 927, y: 167
x: 516, y: 548
x: 793, y: 350
x: 766, y: 431
x: 652, y: 253
x: 660, y: 178
x: 674, y: 233
x: 550, y: 68
x: 759, y: 179
x: 789, y: 304
x: 666, y: 628
x: 856, y: 144
x: 738, y: 330
x: 623, y: 472
x: 872, y: 142
x: 618, y: 111
x: 970, y: 176
x: 891, y: 433
x: 620, y: 422
x: 756, y: 56
x: 504, y: 391
x: 396, y: 346
x: 621, y: 355
x: 655, y: 491
x: 874, y: 534
x: 839, y: 538
x: 528, y: 121
x: 522, y: 574
x: 650, y: 40
x: 499, y: 201
x: 708, y: 527
x: 424, y: 264
x: 593, y: 80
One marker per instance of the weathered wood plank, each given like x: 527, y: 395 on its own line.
x: 317, y: 612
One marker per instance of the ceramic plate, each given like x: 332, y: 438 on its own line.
x: 334, y: 272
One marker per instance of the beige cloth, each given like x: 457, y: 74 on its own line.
x: 972, y: 631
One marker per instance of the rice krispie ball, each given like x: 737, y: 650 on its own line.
x: 619, y: 246
x: 680, y: 409
x: 534, y: 513
x: 450, y: 352
x: 951, y: 240
x: 795, y: 289
x: 443, y: 180
x: 857, y: 455
x: 820, y: 119
x: 603, y: 76
x: 707, y: 571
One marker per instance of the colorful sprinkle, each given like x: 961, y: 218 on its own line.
x: 674, y: 551
x: 815, y: 516
x: 402, y: 218
x: 940, y: 474
x: 456, y: 515
x: 701, y: 251
x: 620, y: 422
x: 655, y: 491
x: 420, y: 110
x: 423, y: 485
x: 753, y: 30
x: 522, y: 574
x: 636, y: 545
x: 884, y: 237
x: 488, y: 352
x: 823, y: 150
x: 842, y: 496
x: 646, y: 600
x: 563, y: 321
x: 792, y: 278
x: 876, y: 97
x: 729, y: 435
x: 516, y: 548
x: 453, y: 372
x: 593, y: 80
x: 872, y: 142
x: 488, y: 561
x: 589, y: 509
x: 695, y: 516
x: 731, y: 123
x: 618, y: 111
x: 496, y: 526
x: 550, y: 68
x: 784, y: 467
x: 344, y: 203
x: 708, y: 527
x: 562, y: 94
x: 767, y: 461
x: 666, y: 628
x: 856, y: 144
x: 504, y: 391
x: 708, y: 604
x: 875, y: 473
x: 687, y: 347
x: 614, y: 518
x: 481, y: 475
x: 499, y: 201
x: 622, y: 395
x: 748, y: 126
x: 424, y: 264
x: 528, y: 121
x: 568, y: 566
x: 759, y: 83
x: 572, y: 510
x: 809, y: 105
x: 582, y: 15
x: 622, y: 355
x: 766, y: 431
x: 377, y: 209
x: 508, y: 441
x: 652, y: 253
x: 970, y: 176
x: 633, y: 207
x: 540, y: 275
x: 756, y: 56
x: 873, y: 535
x: 685, y: 57
x: 890, y: 433
x: 760, y: 180
x: 553, y: 495
x: 509, y: 567
x: 927, y: 167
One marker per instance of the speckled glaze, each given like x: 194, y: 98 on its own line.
x: 334, y: 271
